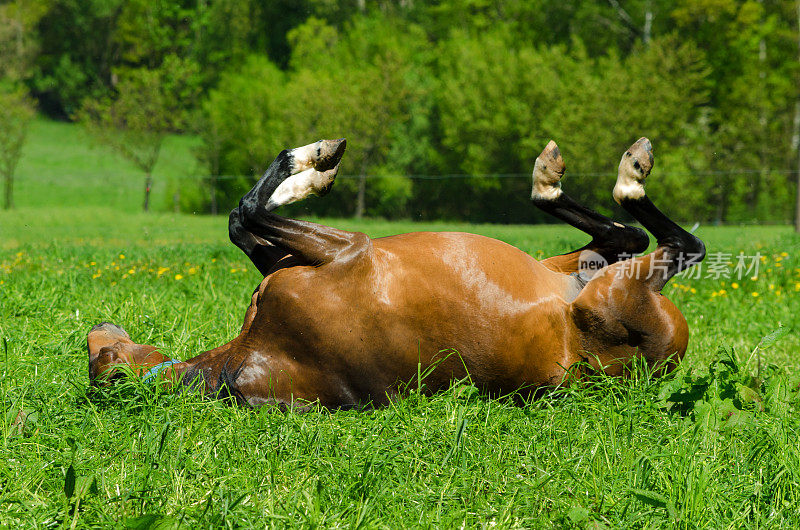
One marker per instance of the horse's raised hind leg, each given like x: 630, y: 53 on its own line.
x: 611, y: 240
x: 677, y: 249
x: 295, y: 175
x: 621, y: 312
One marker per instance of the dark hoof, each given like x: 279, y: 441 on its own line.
x: 330, y: 153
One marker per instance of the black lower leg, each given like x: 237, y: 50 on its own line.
x: 311, y: 243
x: 263, y: 254
x: 681, y: 248
x: 612, y: 240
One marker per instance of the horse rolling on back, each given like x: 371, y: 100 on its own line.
x: 343, y: 320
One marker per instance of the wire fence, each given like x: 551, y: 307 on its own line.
x: 446, y: 176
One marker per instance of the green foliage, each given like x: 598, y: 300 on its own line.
x: 472, y: 88
x: 16, y: 113
x: 147, y: 106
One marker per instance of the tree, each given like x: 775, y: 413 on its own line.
x: 240, y: 125
x: 363, y: 94
x: 17, y: 50
x: 147, y: 106
x: 16, y: 113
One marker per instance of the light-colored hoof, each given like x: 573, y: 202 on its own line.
x: 314, y: 168
x: 301, y: 185
x: 633, y: 170
x: 322, y: 155
x: 547, y: 173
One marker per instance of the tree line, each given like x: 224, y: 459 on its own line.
x: 445, y: 103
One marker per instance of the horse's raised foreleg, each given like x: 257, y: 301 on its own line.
x: 292, y: 176
x: 295, y: 175
x: 611, y: 240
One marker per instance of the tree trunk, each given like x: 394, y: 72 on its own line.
x: 8, y: 203
x: 763, y: 161
x: 797, y: 200
x: 214, y: 195
x: 148, y: 181
x: 648, y: 23
x: 361, y: 200
x: 797, y: 134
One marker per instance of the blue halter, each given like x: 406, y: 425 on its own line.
x: 151, y: 374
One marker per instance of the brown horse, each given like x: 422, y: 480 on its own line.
x: 343, y: 320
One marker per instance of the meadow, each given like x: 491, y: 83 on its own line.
x: 714, y: 445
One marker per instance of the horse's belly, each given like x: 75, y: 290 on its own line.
x: 471, y: 307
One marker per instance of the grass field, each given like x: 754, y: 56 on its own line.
x: 62, y: 165
x: 714, y: 446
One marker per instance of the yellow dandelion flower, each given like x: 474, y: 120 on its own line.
x: 131, y: 271
x: 213, y: 260
x: 124, y: 276
x: 785, y: 254
x: 122, y: 256
x: 162, y: 270
x: 754, y: 294
x: 233, y: 270
x: 92, y: 264
x: 763, y: 259
x: 192, y: 270
x: 772, y: 287
x: 754, y: 278
x: 179, y: 276
x: 723, y: 292
x: 735, y: 285
x: 797, y: 286
x: 693, y: 290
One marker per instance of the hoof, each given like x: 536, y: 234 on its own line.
x: 547, y: 173
x: 330, y: 154
x: 635, y: 166
x: 299, y: 186
x: 321, y: 156
x: 314, y: 168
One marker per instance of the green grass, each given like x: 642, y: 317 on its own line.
x: 62, y: 165
x: 706, y: 448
